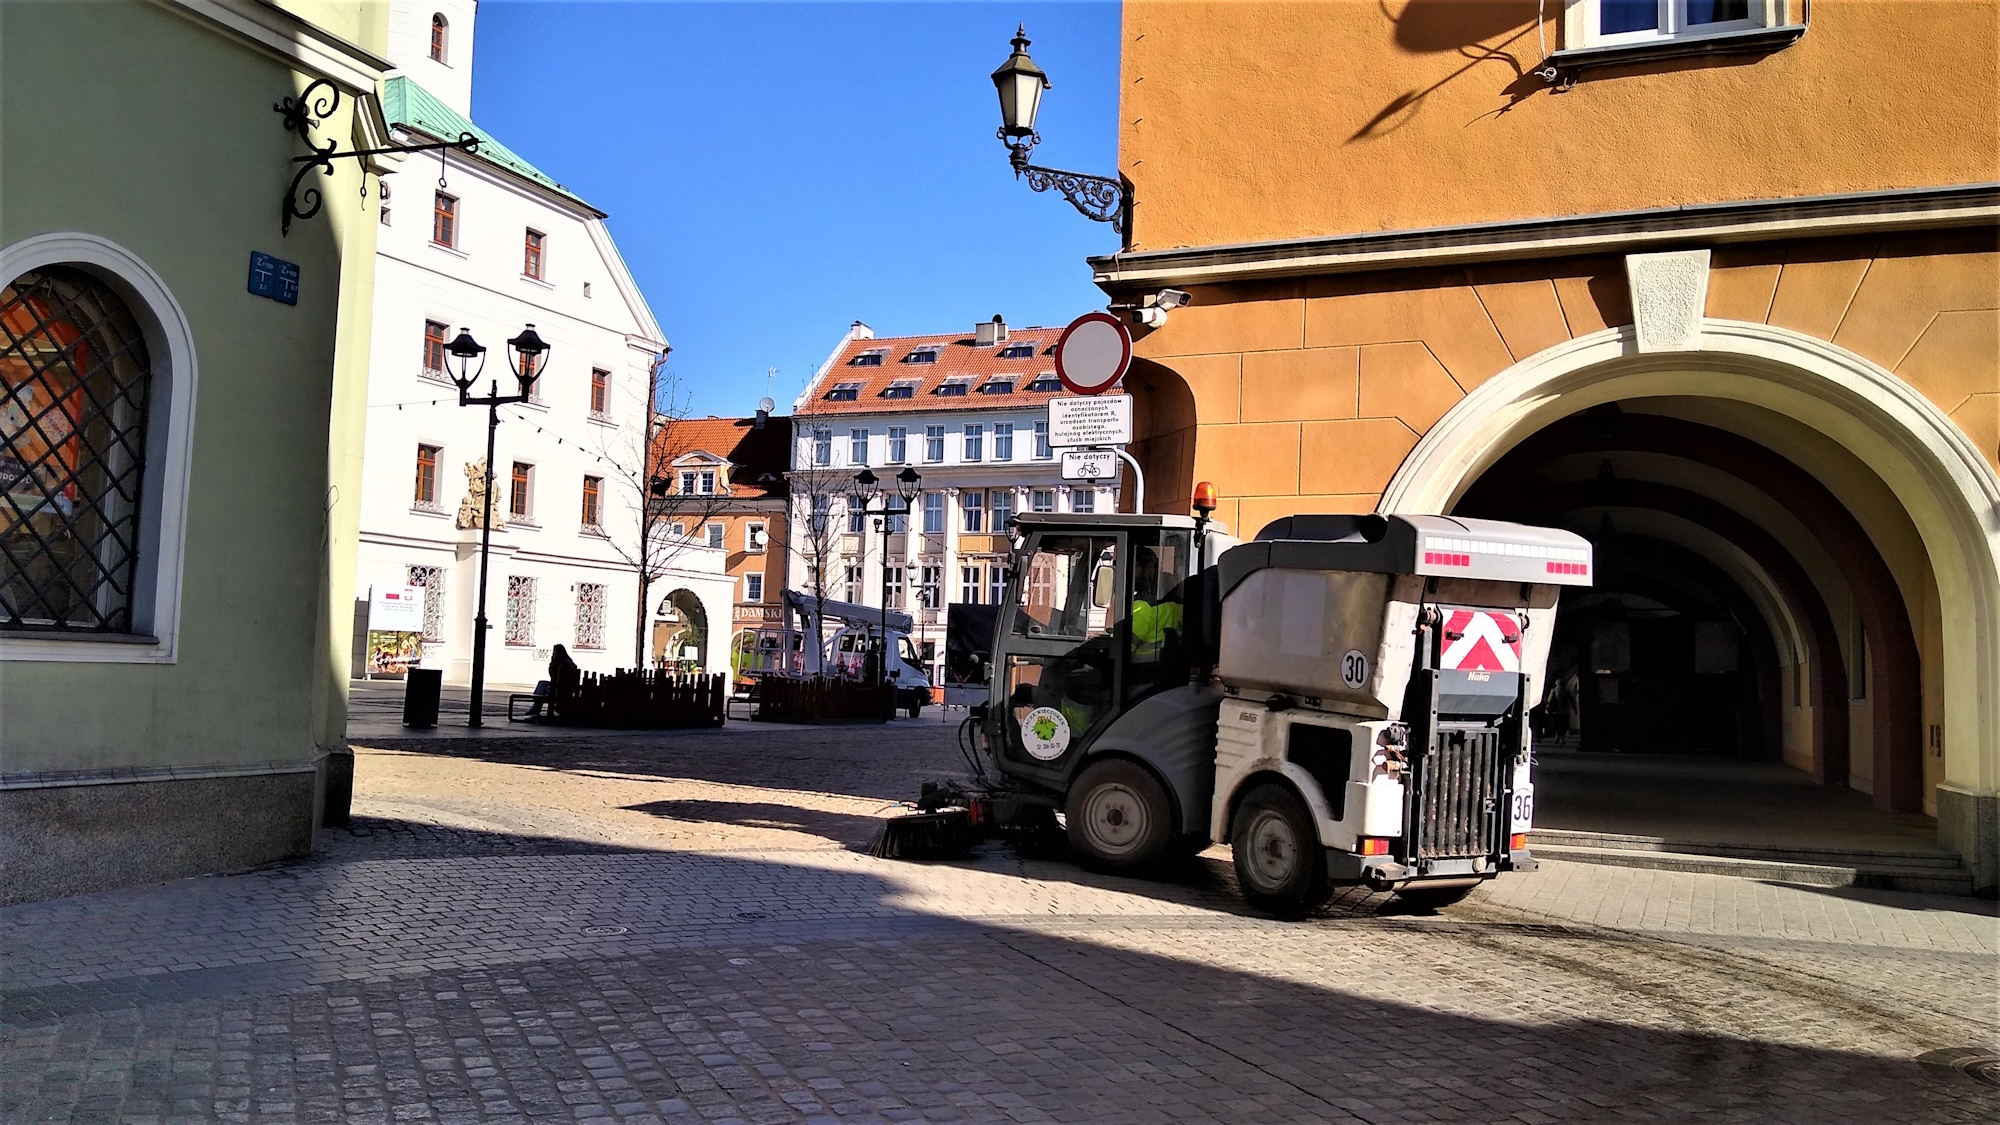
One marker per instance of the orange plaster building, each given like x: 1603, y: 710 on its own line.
x: 1713, y: 282
x: 726, y: 491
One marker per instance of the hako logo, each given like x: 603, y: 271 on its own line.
x: 1045, y: 734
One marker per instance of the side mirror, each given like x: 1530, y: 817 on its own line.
x: 1100, y: 586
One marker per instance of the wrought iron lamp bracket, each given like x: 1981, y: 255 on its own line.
x: 1099, y: 198
x: 310, y: 109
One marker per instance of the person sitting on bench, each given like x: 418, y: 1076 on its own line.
x: 562, y: 681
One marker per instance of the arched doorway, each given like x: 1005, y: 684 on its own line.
x: 680, y: 632
x: 1780, y: 499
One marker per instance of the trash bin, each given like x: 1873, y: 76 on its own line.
x: 421, y: 688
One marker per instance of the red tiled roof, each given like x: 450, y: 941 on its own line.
x: 758, y: 458
x: 957, y: 358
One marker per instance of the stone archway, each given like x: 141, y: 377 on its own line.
x: 680, y: 632
x: 1944, y: 490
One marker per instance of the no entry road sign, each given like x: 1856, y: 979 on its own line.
x: 1093, y: 353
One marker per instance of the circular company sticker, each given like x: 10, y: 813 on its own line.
x: 1354, y: 669
x: 1045, y: 734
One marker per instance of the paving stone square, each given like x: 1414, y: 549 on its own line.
x: 687, y: 928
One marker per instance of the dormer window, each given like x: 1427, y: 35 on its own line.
x: 901, y: 388
x: 1017, y: 351
x: 1050, y: 350
x: 440, y: 31
x: 870, y: 358
x: 997, y: 387
x: 922, y: 355
x: 1045, y: 383
x: 844, y: 392
x: 957, y: 386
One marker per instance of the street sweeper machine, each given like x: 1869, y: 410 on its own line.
x: 1343, y: 700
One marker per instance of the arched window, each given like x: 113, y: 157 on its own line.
x: 439, y: 29
x: 75, y: 386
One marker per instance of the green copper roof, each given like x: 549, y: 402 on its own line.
x: 407, y: 104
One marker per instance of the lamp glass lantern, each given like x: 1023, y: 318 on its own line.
x: 866, y: 487
x: 463, y: 351
x: 1020, y: 84
x: 909, y: 483
x: 531, y: 355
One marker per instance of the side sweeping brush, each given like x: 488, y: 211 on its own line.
x: 945, y: 824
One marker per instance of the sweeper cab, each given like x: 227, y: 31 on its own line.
x: 1343, y: 700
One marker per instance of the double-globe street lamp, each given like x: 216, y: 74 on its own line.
x: 867, y: 486
x: 529, y: 354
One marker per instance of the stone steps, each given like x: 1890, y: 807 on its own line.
x: 1916, y: 871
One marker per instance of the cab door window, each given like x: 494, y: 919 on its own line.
x: 1062, y: 678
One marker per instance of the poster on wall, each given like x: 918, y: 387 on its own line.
x: 391, y: 653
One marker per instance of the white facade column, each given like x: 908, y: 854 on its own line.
x: 949, y: 562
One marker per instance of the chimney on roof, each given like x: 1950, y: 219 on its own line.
x: 860, y: 331
x: 990, y: 333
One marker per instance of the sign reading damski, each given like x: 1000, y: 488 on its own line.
x: 1081, y: 422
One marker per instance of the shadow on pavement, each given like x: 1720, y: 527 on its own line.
x: 1901, y: 900
x: 850, y: 830
x: 729, y: 982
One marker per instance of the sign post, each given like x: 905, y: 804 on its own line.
x: 1091, y: 357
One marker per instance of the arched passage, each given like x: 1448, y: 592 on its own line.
x: 680, y: 632
x: 1885, y: 440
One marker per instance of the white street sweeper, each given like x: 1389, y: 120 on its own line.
x: 1343, y: 700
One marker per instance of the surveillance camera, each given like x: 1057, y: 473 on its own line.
x: 1172, y: 298
x: 1151, y: 316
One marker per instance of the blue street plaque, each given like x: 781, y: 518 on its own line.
x: 274, y: 278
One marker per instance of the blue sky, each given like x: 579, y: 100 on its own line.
x: 776, y: 171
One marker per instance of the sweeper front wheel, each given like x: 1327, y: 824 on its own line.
x: 1119, y: 816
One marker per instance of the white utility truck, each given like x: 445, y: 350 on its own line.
x: 794, y: 649
x: 1343, y: 700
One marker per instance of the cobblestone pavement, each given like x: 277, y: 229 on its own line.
x: 685, y: 929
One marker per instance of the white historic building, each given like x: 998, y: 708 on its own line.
x: 495, y: 246
x: 968, y: 411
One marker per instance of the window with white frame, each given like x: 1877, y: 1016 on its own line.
x: 590, y: 603
x: 716, y: 532
x: 975, y: 442
x: 933, y: 444
x: 1043, y: 451
x: 857, y: 447
x: 708, y: 482
x: 1083, y: 500
x: 851, y: 581
x: 1612, y: 22
x: 520, y: 617
x: 895, y: 587
x: 822, y: 515
x: 1003, y: 441
x: 930, y: 582
x: 996, y: 584
x: 753, y: 587
x: 1042, y: 500
x: 822, y: 446
x: 431, y: 578
x: 899, y: 515
x: 1002, y: 509
x: 973, y: 505
x: 968, y: 583
x: 899, y: 444
x: 689, y: 478
x: 755, y: 537
x: 857, y: 518
x: 933, y: 513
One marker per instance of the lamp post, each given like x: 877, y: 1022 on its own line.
x: 1020, y: 84
x: 909, y: 485
x: 529, y: 353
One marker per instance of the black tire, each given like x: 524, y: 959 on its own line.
x: 1279, y: 862
x: 1436, y: 898
x: 1119, y: 816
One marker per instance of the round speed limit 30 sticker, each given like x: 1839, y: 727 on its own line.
x: 1354, y: 669
x: 1045, y: 734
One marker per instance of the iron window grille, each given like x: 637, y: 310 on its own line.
x: 590, y: 615
x: 75, y: 383
x: 431, y: 578
x: 520, y: 622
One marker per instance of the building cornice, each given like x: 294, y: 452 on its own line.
x: 1759, y: 220
x: 292, y: 40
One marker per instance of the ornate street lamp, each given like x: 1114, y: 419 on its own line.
x: 867, y: 486
x: 1020, y: 84
x: 530, y: 355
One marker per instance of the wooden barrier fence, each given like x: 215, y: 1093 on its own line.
x: 643, y: 700
x: 819, y: 699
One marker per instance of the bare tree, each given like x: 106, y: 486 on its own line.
x: 641, y: 462
x: 815, y: 484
